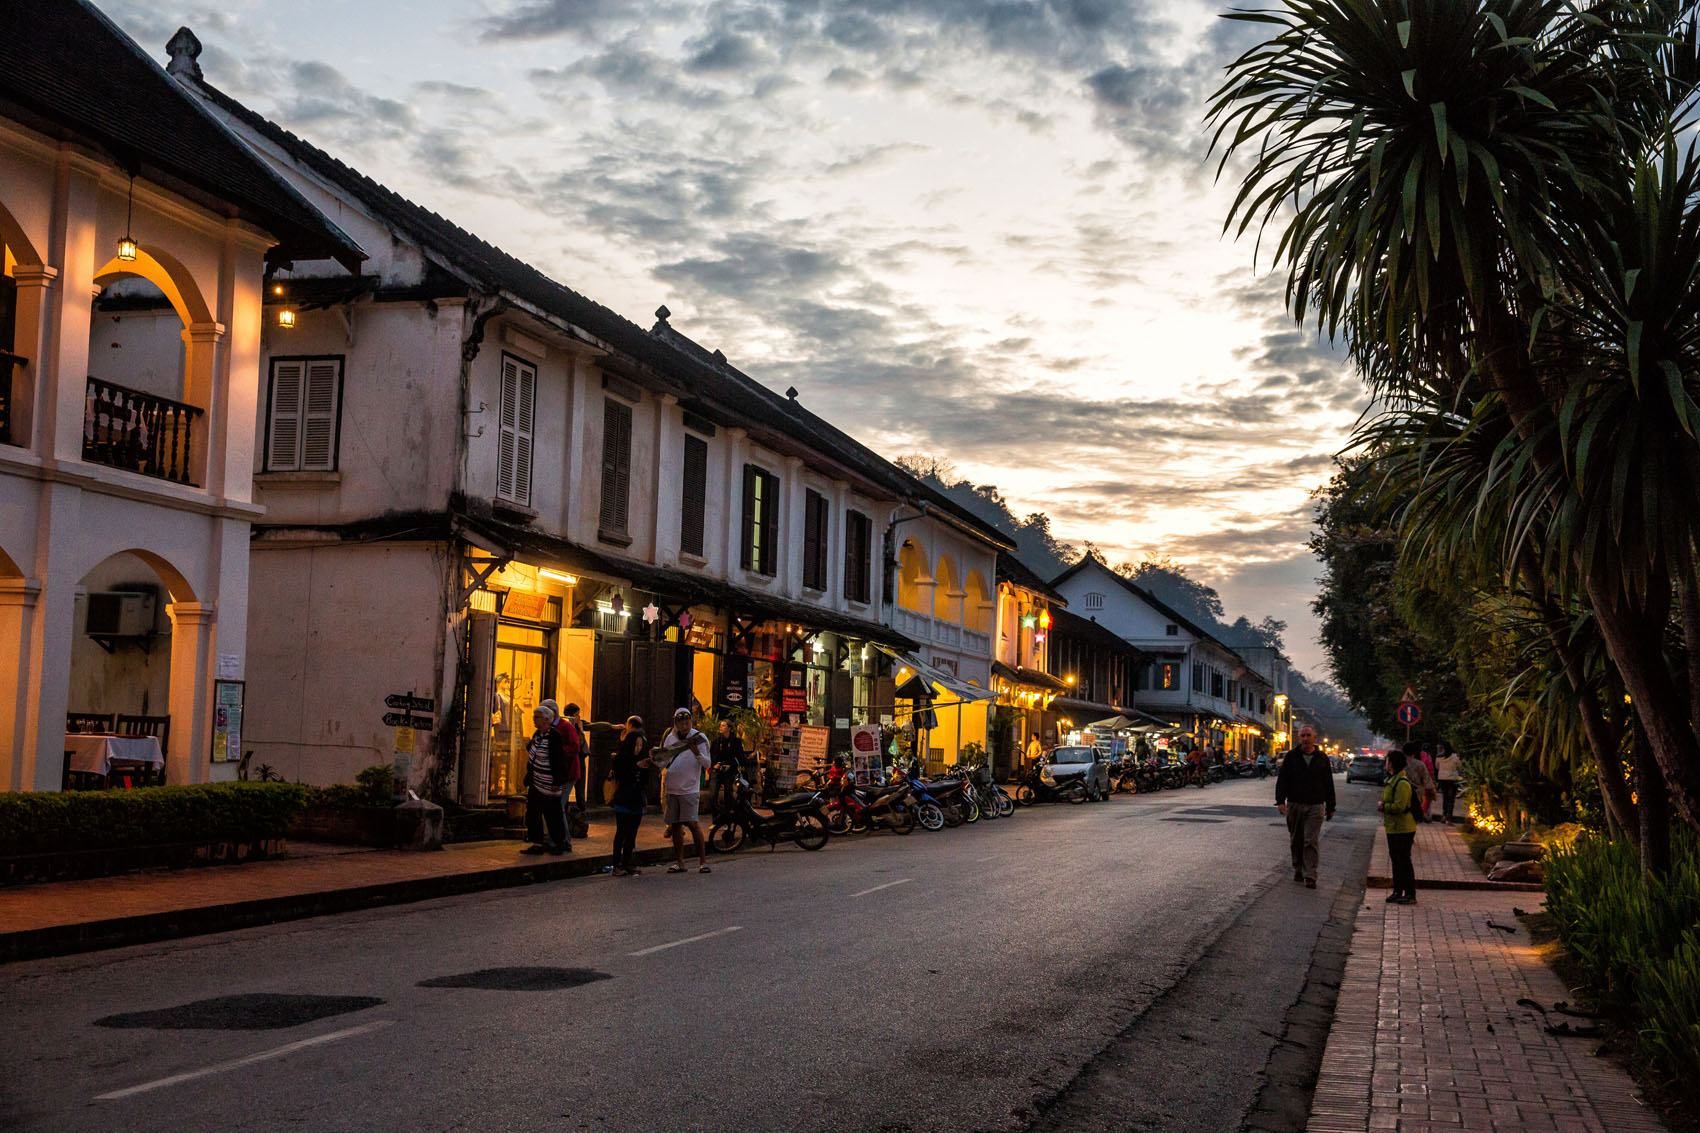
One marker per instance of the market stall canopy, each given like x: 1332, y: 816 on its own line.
x: 1113, y: 724
x: 931, y: 677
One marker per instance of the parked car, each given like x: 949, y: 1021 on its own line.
x: 1065, y: 761
x: 1367, y: 769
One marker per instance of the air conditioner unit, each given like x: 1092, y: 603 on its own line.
x: 113, y: 614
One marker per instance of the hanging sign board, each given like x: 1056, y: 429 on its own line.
x: 812, y: 744
x: 407, y: 720
x: 794, y: 697
x: 407, y: 702
x: 737, y: 692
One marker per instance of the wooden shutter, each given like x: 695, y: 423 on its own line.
x: 319, y: 417
x: 616, y: 464
x: 746, y: 557
x: 769, y: 523
x: 694, y: 499
x: 519, y: 392
x: 283, y: 424
x: 856, y: 533
x: 814, y: 540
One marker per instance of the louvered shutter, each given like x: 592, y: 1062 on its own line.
x: 319, y: 416
x: 769, y: 523
x: 283, y: 428
x: 814, y: 541
x: 694, y: 497
x: 616, y: 464
x: 519, y: 392
x: 747, y: 557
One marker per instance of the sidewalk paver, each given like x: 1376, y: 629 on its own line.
x: 70, y: 916
x: 1428, y: 1033
x: 1442, y: 860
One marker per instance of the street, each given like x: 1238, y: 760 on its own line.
x: 1124, y: 965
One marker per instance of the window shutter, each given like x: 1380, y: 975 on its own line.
x: 694, y: 499
x: 769, y: 523
x: 283, y: 430
x: 857, y: 532
x: 319, y: 419
x: 746, y: 558
x: 814, y: 540
x: 616, y: 464
x: 519, y: 393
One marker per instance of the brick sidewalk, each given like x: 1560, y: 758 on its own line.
x: 1428, y: 1035
x: 71, y: 916
x: 1442, y: 860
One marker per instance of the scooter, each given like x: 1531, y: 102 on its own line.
x: 928, y: 812
x: 1040, y: 786
x: 881, y: 808
x: 798, y: 817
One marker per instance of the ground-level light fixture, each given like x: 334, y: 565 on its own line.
x: 560, y: 576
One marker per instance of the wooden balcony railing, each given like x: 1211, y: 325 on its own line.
x: 8, y: 363
x: 139, y: 432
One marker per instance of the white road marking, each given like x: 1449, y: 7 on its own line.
x: 887, y: 885
x: 248, y: 1060
x: 687, y: 940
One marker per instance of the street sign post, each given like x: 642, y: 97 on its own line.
x: 1410, y: 714
x: 407, y: 702
x: 407, y: 720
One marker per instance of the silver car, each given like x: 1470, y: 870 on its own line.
x: 1084, y: 761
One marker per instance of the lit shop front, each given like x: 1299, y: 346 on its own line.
x: 622, y: 639
x: 949, y: 718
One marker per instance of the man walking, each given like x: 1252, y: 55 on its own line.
x: 686, y: 751
x: 1304, y: 793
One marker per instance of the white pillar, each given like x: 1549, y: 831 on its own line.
x: 202, y: 380
x: 190, y: 702
x: 31, y: 383
x: 18, y: 600
x: 46, y: 668
x: 65, y: 389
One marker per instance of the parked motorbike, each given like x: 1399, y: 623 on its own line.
x: 874, y: 808
x: 1038, y: 785
x: 928, y: 811
x: 798, y: 817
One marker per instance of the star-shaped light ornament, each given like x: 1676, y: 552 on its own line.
x: 685, y: 619
x: 650, y: 613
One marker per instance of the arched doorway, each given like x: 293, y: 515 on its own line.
x: 141, y: 413
x: 121, y: 655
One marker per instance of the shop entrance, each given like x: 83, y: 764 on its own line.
x: 523, y: 675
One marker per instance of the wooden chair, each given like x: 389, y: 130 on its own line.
x: 157, y: 726
x: 83, y: 723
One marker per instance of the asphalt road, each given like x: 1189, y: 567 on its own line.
x: 1129, y: 964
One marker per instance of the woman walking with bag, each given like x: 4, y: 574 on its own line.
x: 630, y: 762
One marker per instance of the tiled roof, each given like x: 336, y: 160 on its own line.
x: 1011, y: 569
x: 69, y: 72
x: 670, y: 354
x: 1148, y: 598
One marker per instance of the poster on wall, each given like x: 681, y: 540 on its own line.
x: 227, y: 721
x: 865, y: 753
x: 811, y: 746
x: 794, y: 697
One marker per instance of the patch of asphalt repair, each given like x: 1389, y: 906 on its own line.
x: 259, y: 1011
x: 519, y: 979
x: 1235, y: 1043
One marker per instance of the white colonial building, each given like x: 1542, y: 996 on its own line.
x: 483, y: 490
x: 135, y: 238
x: 1192, y: 678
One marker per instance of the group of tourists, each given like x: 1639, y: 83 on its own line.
x: 554, y: 770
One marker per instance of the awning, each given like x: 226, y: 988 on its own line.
x: 676, y: 585
x: 1031, y: 678
x: 954, y: 684
x: 1088, y: 708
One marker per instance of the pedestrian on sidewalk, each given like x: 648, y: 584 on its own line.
x: 1304, y: 793
x: 631, y: 760
x: 686, y: 751
x: 1449, y: 773
x: 727, y: 752
x: 1398, y: 818
x: 1422, y: 786
x: 572, y: 742
x: 547, y: 772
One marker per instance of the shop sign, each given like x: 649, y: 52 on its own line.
x: 521, y: 604
x: 737, y: 692
x: 407, y: 720
x: 812, y: 744
x: 794, y: 697
x: 227, y: 721
x: 407, y: 702
x: 841, y: 722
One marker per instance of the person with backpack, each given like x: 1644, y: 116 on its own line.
x: 685, y: 751
x: 573, y: 742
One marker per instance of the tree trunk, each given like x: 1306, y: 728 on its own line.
x: 1655, y: 820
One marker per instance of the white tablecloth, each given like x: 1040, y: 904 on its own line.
x: 96, y: 753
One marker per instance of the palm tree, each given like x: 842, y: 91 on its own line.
x: 1486, y: 201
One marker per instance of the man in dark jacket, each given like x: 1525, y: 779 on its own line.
x: 1304, y: 793
x: 726, y: 751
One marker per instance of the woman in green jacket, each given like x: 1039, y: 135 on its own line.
x: 1399, y: 819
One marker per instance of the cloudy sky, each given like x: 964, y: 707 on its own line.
x: 984, y: 231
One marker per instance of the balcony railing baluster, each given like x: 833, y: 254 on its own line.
x: 138, y: 432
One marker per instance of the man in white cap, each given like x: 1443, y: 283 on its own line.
x: 685, y: 751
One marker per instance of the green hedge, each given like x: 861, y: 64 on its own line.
x: 1637, y: 941
x: 68, y: 821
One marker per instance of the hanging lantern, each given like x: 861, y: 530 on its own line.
x: 1044, y: 619
x: 286, y: 318
x: 127, y: 247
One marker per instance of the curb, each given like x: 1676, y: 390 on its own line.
x: 119, y: 932
x: 1483, y: 885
